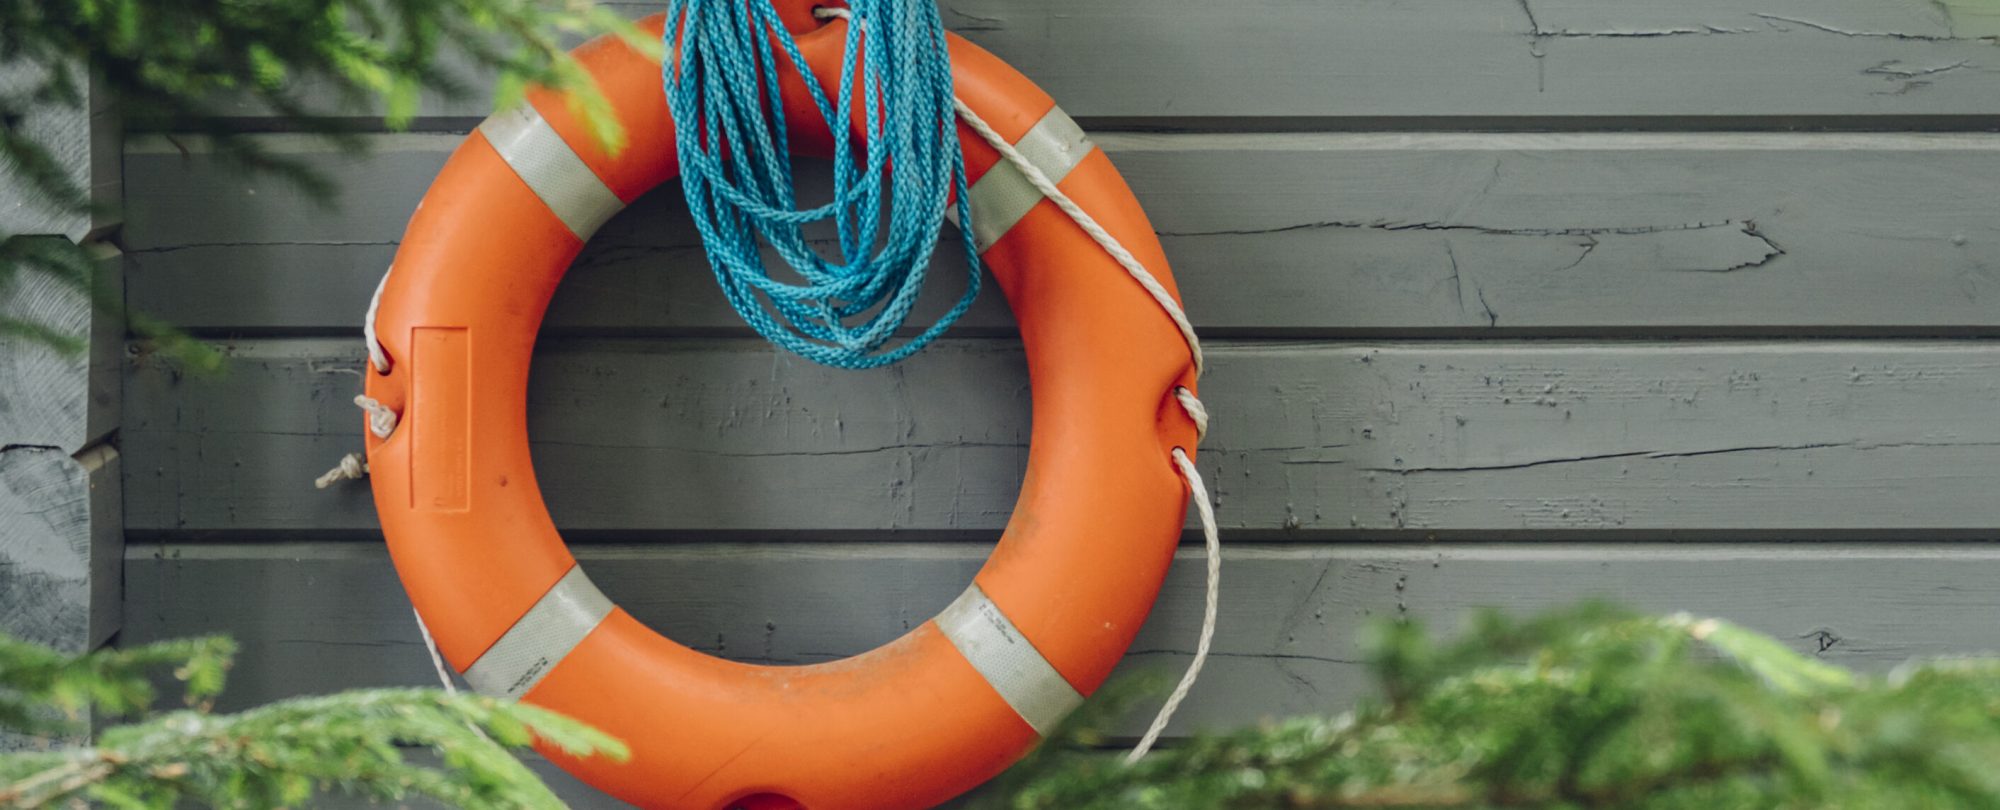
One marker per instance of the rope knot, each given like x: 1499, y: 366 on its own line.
x: 352, y: 467
x: 381, y: 420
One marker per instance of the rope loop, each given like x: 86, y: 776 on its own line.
x: 737, y: 175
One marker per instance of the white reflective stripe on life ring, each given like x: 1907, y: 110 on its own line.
x: 541, y: 638
x: 1009, y: 663
x: 544, y: 161
x: 1003, y: 195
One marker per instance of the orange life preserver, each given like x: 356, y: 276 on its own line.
x: 910, y: 724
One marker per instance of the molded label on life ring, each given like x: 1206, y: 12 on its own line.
x: 441, y: 419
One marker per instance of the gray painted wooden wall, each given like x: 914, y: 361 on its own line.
x: 1510, y: 302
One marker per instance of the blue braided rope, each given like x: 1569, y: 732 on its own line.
x: 842, y: 312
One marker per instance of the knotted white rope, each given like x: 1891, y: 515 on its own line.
x: 352, y: 467
x: 381, y: 420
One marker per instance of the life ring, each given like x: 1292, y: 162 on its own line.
x: 909, y: 724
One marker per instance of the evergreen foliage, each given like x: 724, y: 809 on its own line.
x: 1586, y: 708
x: 1590, y: 707
x: 178, y: 65
x: 278, y: 755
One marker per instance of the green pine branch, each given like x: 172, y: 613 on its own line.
x: 176, y: 65
x: 1585, y: 708
x: 278, y: 755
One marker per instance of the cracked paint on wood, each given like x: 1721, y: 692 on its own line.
x: 61, y: 545
x: 84, y: 143
x: 1323, y: 440
x: 1301, y: 235
x: 1286, y: 642
x: 1209, y: 65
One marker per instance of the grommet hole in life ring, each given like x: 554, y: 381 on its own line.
x: 905, y: 725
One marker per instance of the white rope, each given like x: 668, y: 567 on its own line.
x: 444, y: 675
x: 1195, y: 410
x: 437, y: 661
x: 353, y: 467
x: 377, y: 356
x: 1213, y: 540
x: 1084, y: 220
x: 381, y: 420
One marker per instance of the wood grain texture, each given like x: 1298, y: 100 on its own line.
x: 1312, y: 439
x: 1298, y: 235
x: 84, y: 140
x: 45, y: 396
x: 314, y: 617
x: 61, y: 528
x: 50, y: 397
x: 1525, y: 58
x: 61, y: 546
x: 1184, y: 62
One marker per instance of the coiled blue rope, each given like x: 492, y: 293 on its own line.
x: 737, y: 176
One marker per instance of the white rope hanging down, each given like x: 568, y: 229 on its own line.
x: 1195, y: 411
x: 437, y: 661
x: 444, y: 675
x: 1212, y: 540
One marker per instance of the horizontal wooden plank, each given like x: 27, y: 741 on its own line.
x: 1269, y: 234
x: 1524, y: 439
x: 316, y: 617
x: 1184, y: 62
